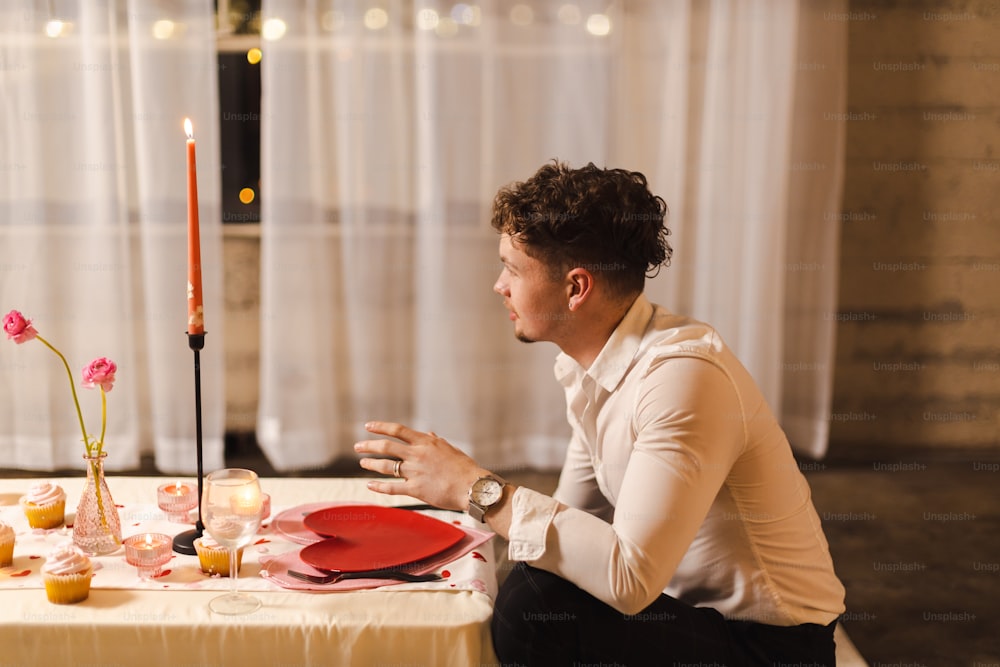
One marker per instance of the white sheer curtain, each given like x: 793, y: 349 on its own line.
x: 389, y: 126
x: 93, y: 231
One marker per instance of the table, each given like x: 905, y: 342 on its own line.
x: 175, y: 627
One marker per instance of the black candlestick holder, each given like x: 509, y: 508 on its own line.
x: 184, y: 542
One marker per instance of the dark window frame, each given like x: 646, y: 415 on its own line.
x: 239, y: 108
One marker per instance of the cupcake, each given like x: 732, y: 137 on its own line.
x: 6, y: 545
x: 66, y: 574
x: 44, y: 505
x: 214, y: 557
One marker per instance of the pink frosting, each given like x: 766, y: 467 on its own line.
x: 43, y: 493
x: 66, y: 559
x: 6, y: 532
x: 208, y: 542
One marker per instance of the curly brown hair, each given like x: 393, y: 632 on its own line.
x: 604, y: 220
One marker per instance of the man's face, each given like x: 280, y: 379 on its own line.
x: 537, y: 303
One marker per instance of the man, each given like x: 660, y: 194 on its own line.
x: 681, y: 530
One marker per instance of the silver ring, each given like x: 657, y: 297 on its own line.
x: 395, y: 468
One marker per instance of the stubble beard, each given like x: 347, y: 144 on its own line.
x: 523, y: 337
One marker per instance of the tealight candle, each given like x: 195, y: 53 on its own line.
x: 246, y: 504
x: 177, y: 500
x: 148, y: 552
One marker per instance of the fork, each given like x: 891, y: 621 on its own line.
x: 334, y: 577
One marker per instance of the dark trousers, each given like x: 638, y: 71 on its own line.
x: 542, y: 619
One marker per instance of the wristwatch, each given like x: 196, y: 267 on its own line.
x: 484, y: 494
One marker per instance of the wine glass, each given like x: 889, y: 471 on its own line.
x: 231, y: 510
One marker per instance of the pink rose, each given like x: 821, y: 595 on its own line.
x: 18, y: 328
x: 100, y: 372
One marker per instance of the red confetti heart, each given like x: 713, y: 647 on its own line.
x: 163, y: 573
x: 22, y: 573
x: 445, y: 574
x: 478, y: 556
x: 262, y: 540
x: 34, y: 557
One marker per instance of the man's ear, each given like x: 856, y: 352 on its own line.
x: 579, y: 287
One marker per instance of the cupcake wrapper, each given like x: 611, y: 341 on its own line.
x: 6, y: 552
x: 45, y: 516
x: 216, y: 561
x: 67, y: 588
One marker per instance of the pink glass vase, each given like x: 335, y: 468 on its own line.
x: 97, y: 528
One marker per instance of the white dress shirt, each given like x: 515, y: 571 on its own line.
x: 678, y: 480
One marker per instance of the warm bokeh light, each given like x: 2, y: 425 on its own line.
x: 254, y: 55
x: 376, y: 18
x: 164, y: 29
x: 427, y: 19
x: 273, y: 29
x: 598, y: 25
x: 247, y: 195
x: 464, y: 14
x: 56, y: 28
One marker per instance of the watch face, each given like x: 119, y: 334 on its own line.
x: 486, y: 492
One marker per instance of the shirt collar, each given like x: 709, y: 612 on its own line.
x: 616, y: 356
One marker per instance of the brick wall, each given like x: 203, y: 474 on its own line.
x: 918, y: 354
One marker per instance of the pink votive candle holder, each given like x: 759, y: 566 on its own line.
x: 265, y: 506
x: 177, y: 499
x: 148, y: 552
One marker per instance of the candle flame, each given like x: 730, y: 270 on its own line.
x: 149, y: 539
x: 188, y: 130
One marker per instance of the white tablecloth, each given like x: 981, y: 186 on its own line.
x: 149, y: 626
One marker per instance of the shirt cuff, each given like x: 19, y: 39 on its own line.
x: 531, y: 514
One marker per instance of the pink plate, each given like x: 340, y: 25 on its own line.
x: 276, y: 569
x: 289, y: 522
x: 371, y: 537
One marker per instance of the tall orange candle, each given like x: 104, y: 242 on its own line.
x: 196, y: 311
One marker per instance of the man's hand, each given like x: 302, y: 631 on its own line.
x: 431, y: 468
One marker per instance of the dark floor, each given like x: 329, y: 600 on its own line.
x: 916, y: 541
x: 915, y: 537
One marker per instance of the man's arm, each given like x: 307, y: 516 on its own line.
x: 430, y: 468
x: 690, y: 430
x: 578, y: 483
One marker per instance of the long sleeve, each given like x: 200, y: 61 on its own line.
x: 663, y: 465
x: 678, y: 480
x: 578, y: 485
